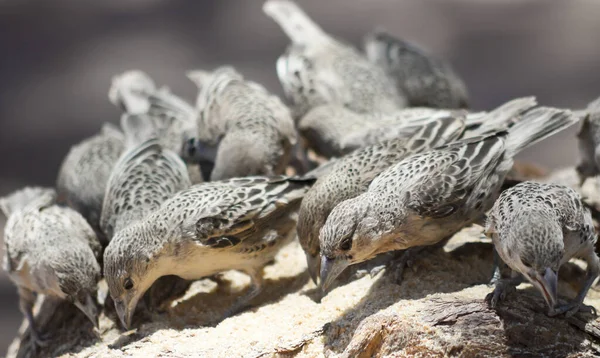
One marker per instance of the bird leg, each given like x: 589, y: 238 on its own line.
x: 577, y: 305
x: 26, y: 302
x: 256, y: 287
x: 503, y: 287
x: 406, y: 260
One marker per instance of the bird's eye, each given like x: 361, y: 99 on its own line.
x: 526, y: 264
x: 346, y: 244
x: 128, y: 284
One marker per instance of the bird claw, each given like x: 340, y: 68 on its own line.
x: 499, y: 294
x: 570, y: 309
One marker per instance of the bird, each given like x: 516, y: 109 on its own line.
x: 319, y: 69
x: 84, y: 173
x: 425, y: 81
x: 136, y: 93
x: 50, y: 250
x: 588, y: 140
x: 536, y: 228
x: 233, y: 224
x: 146, y: 175
x: 333, y: 131
x: 251, y: 129
x: 429, y: 196
x: 350, y: 175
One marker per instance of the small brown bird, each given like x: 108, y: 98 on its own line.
x: 429, y: 196
x: 235, y: 224
x: 49, y: 250
x: 536, y: 228
x: 317, y: 69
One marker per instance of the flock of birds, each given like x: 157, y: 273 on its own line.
x: 182, y: 192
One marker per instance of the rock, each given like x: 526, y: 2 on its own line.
x: 438, y: 310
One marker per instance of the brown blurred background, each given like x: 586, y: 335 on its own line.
x: 58, y: 58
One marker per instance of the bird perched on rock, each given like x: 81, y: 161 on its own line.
x: 428, y: 197
x: 536, y: 228
x: 49, y: 250
x: 84, y: 173
x: 332, y: 130
x: 146, y: 175
x: 424, y: 81
x: 252, y: 129
x: 351, y: 175
x: 235, y: 224
x: 589, y: 142
x: 318, y: 69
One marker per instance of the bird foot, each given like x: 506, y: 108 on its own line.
x: 372, y: 272
x: 406, y: 260
x: 500, y: 292
x: 570, y: 309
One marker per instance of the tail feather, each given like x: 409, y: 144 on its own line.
x: 19, y: 199
x: 130, y: 90
x: 294, y: 21
x: 536, y: 125
x: 163, y: 102
x: 500, y: 118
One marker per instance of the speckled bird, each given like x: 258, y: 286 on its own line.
x: 84, y: 173
x: 589, y: 142
x: 424, y: 80
x: 235, y: 224
x: 536, y: 228
x: 332, y: 130
x: 251, y: 129
x: 350, y: 175
x: 146, y: 175
x: 318, y: 69
x: 49, y: 250
x: 428, y: 197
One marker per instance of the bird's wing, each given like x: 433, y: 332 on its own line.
x: 240, y: 205
x: 438, y: 182
x: 130, y: 185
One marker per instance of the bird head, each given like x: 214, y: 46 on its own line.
x: 534, y: 247
x: 78, y: 274
x: 130, y: 268
x: 348, y: 237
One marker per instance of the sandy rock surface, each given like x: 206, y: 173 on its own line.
x: 438, y: 310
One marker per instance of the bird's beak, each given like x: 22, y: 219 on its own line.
x: 125, y: 310
x: 330, y: 270
x: 314, y: 266
x: 549, y: 286
x: 89, y: 308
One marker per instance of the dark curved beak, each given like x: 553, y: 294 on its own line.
x: 330, y: 270
x: 549, y: 286
x: 125, y: 311
x: 314, y: 267
x: 89, y: 308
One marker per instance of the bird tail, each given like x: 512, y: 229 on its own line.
x: 294, y: 21
x: 500, y: 118
x: 536, y: 125
x: 164, y: 102
x: 21, y: 198
x: 130, y: 90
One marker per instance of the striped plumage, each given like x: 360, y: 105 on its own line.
x: 536, y: 228
x: 317, y: 69
x: 588, y: 139
x: 429, y: 196
x: 251, y: 128
x: 146, y: 175
x: 422, y: 79
x: 235, y: 224
x: 332, y: 130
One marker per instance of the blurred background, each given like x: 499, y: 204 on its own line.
x: 58, y: 59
